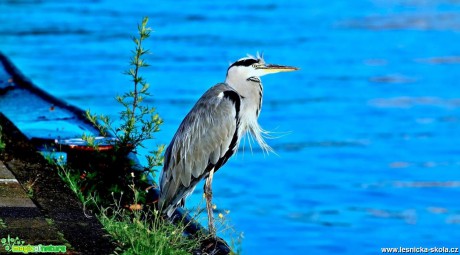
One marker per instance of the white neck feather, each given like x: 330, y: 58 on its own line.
x: 251, y: 94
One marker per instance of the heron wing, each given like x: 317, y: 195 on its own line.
x: 205, y: 140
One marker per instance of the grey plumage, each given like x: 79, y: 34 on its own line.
x: 205, y: 140
x: 211, y: 132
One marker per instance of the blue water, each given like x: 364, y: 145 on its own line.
x: 368, y: 147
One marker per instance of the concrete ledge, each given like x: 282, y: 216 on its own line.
x: 6, y: 174
x: 53, y: 214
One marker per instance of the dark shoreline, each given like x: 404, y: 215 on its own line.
x: 54, y: 200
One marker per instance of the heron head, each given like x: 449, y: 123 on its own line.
x: 254, y: 67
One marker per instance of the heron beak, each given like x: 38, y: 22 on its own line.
x: 268, y: 68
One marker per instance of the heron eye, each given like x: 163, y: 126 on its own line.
x: 255, y: 65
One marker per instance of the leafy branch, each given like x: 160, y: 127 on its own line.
x: 138, y: 121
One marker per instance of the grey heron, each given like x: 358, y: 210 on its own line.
x: 211, y: 132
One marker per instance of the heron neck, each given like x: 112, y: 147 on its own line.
x: 251, y: 94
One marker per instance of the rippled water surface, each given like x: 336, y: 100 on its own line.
x: 368, y: 147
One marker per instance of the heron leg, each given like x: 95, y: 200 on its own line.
x: 208, y: 195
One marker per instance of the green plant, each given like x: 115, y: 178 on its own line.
x: 137, y: 123
x: 2, y: 224
x: 145, y: 232
x: 136, y: 231
x: 2, y: 143
x: 223, y: 227
x: 29, y: 186
x: 140, y: 236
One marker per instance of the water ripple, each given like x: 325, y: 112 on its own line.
x: 440, y: 60
x: 430, y: 21
x: 405, y: 102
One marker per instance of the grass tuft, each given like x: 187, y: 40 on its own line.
x: 2, y: 143
x: 139, y: 235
